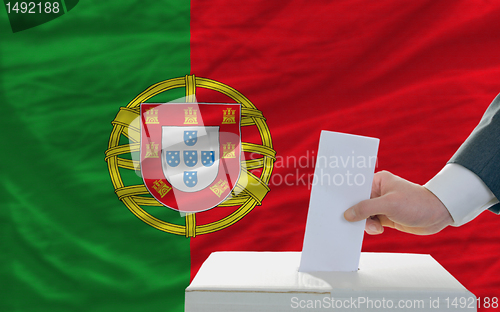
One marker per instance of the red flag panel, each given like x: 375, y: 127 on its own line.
x: 418, y: 76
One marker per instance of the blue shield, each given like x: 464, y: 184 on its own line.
x: 190, y: 158
x: 190, y: 137
x: 207, y: 158
x: 173, y: 158
x: 202, y: 158
x: 190, y: 178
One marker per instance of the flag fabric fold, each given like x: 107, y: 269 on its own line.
x: 418, y: 76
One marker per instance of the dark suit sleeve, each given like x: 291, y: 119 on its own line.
x: 480, y: 153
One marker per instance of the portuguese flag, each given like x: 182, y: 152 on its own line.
x: 417, y: 75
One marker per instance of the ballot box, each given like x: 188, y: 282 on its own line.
x: 271, y: 282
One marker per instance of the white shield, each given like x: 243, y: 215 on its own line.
x: 173, y: 142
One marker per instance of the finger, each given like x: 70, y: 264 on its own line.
x: 386, y: 222
x: 367, y: 208
x: 373, y: 226
x: 380, y: 179
x: 376, y: 188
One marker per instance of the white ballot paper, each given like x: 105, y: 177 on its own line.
x: 343, y: 176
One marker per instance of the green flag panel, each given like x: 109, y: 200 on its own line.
x: 68, y: 243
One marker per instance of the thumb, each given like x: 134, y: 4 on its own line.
x: 366, y: 208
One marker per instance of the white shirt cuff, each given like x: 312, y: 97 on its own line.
x: 462, y: 192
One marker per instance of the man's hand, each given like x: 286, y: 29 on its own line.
x: 402, y: 205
